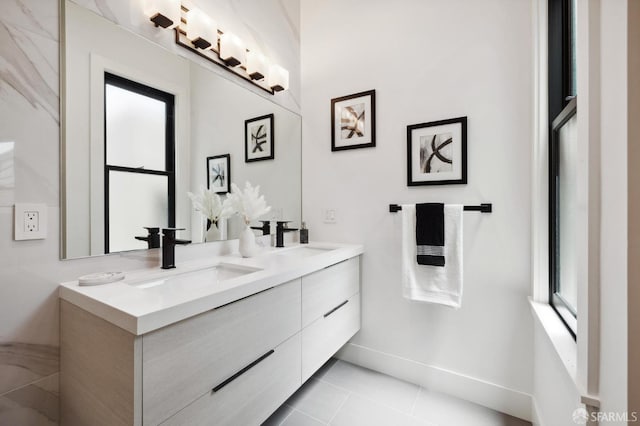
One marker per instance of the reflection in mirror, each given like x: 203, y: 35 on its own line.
x: 139, y: 180
x: 129, y: 158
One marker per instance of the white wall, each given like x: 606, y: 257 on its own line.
x: 429, y: 60
x: 613, y: 250
x: 29, y: 116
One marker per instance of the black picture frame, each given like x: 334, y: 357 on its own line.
x: 358, y: 111
x: 219, y: 173
x: 437, y: 168
x: 258, y: 132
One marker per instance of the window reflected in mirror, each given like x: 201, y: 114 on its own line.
x: 139, y: 170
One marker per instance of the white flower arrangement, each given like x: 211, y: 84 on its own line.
x: 210, y: 205
x: 248, y: 203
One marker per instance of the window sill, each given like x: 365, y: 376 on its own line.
x: 561, y: 340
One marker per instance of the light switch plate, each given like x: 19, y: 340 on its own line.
x: 30, y: 221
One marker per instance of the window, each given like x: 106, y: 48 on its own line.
x: 139, y: 171
x: 563, y: 150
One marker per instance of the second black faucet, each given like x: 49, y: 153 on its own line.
x: 169, y: 242
x: 281, y: 228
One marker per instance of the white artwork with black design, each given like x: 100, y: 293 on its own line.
x: 259, y: 138
x: 219, y: 173
x: 353, y: 121
x: 437, y: 152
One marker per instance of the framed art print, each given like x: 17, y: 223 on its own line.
x: 219, y: 173
x: 258, y: 135
x: 437, y: 152
x: 353, y: 121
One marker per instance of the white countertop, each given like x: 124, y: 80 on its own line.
x: 141, y: 310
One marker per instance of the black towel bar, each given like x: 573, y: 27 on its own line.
x: 482, y: 208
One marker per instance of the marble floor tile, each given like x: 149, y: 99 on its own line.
x: 34, y: 405
x: 318, y: 399
x: 322, y: 371
x: 379, y: 387
x: 297, y: 418
x: 50, y: 384
x: 13, y: 377
x: 445, y: 410
x: 12, y: 413
x: 24, y: 363
x: 360, y: 411
x: 358, y: 396
x: 279, y: 416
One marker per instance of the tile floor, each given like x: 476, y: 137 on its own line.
x: 343, y: 394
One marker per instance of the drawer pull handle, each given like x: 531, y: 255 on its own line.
x: 336, y: 308
x: 244, y: 370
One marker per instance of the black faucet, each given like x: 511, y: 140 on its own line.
x: 169, y: 242
x: 265, y: 228
x: 281, y: 228
x: 153, y: 238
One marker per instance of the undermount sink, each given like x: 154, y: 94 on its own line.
x: 207, y: 276
x: 303, y: 252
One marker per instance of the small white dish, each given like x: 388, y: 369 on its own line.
x: 99, y: 278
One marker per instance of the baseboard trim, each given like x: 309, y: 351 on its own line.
x: 535, y: 413
x: 494, y: 396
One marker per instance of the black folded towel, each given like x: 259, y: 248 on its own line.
x: 430, y: 234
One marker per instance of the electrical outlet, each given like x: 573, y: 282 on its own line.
x: 329, y: 215
x: 30, y: 221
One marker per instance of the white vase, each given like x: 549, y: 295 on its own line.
x: 247, y: 246
x: 212, y: 234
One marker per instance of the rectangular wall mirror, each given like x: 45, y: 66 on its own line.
x: 140, y: 122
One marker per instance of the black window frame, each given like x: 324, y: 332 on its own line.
x: 169, y: 171
x: 562, y: 107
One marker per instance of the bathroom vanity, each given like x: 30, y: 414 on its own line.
x: 214, y: 341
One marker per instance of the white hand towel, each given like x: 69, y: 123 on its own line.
x: 433, y: 284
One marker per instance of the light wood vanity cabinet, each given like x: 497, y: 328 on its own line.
x: 233, y: 365
x: 252, y: 397
x: 327, y: 288
x: 330, y: 312
x: 196, y: 355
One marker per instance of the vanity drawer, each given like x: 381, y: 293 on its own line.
x: 252, y: 396
x: 183, y: 361
x: 323, y: 290
x: 325, y: 336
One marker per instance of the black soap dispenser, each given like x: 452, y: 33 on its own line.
x: 304, y: 234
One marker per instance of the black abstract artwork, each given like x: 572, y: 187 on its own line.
x: 353, y: 121
x: 218, y: 178
x: 437, y: 152
x: 259, y: 138
x: 219, y: 173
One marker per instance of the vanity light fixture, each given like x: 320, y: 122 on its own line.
x: 200, y: 34
x: 278, y: 78
x: 164, y: 13
x: 257, y: 66
x: 232, y: 50
x: 202, y: 31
